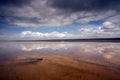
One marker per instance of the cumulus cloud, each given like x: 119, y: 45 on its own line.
x: 38, y: 35
x: 108, y: 25
x: 29, y: 35
x: 108, y: 29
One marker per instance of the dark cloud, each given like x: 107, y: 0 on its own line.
x: 7, y: 7
x: 85, y: 5
x: 13, y: 2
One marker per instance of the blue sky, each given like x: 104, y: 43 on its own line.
x: 59, y: 19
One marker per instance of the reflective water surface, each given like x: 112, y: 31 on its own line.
x: 59, y: 61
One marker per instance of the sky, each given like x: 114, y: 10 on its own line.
x: 59, y: 19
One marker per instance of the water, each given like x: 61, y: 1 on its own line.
x: 59, y: 61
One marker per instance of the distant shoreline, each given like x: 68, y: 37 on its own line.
x: 68, y: 40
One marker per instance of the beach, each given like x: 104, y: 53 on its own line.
x: 61, y: 61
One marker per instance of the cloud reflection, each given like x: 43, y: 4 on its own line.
x: 107, y: 50
x: 40, y: 46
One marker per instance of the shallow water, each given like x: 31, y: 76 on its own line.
x: 59, y: 61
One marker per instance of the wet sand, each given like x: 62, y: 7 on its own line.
x: 56, y: 67
x: 60, y: 66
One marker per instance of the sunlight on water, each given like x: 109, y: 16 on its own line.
x: 59, y: 61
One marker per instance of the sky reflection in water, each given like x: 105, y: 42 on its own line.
x: 89, y: 49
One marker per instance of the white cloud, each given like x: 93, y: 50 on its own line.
x: 114, y: 19
x: 108, y: 29
x: 108, y: 25
x: 92, y: 16
x: 38, y: 35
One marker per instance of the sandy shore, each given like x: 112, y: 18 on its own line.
x: 57, y: 67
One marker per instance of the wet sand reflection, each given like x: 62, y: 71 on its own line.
x: 60, y: 61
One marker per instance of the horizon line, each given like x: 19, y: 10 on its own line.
x: 70, y: 40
